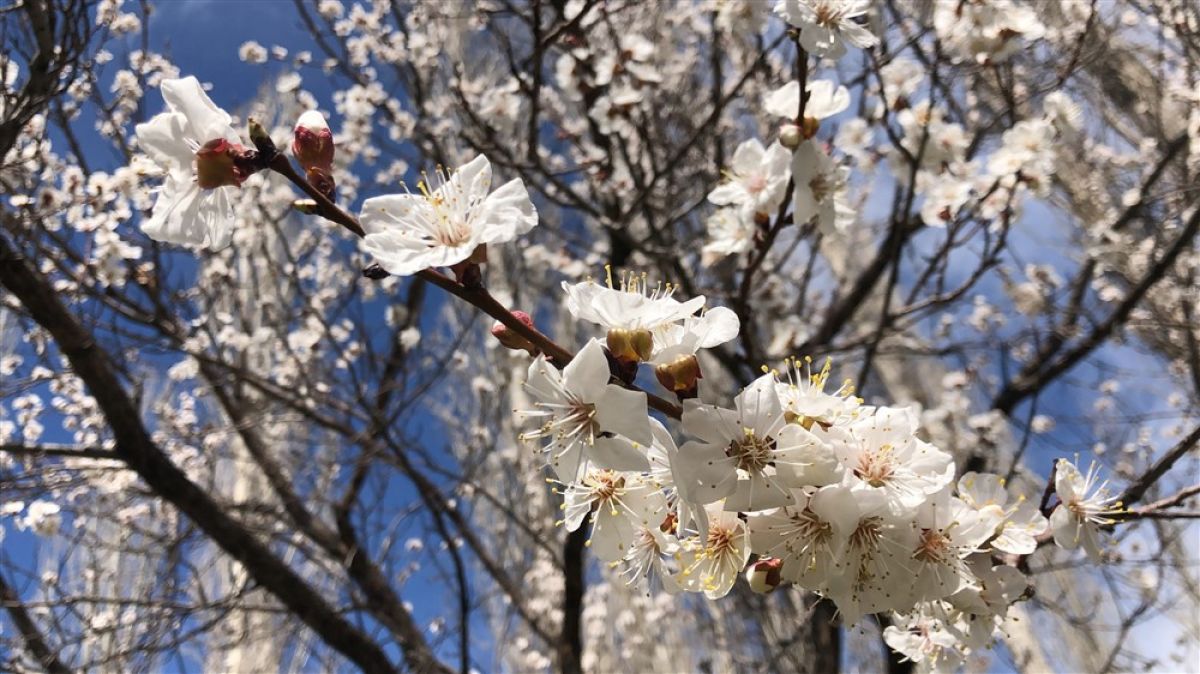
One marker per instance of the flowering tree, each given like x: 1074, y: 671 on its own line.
x: 584, y: 336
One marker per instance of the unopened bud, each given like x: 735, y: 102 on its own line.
x: 630, y: 346
x: 218, y: 164
x: 680, y: 375
x: 261, y: 139
x: 765, y: 575
x: 790, y: 136
x: 312, y: 142
x: 306, y: 206
x: 511, y: 338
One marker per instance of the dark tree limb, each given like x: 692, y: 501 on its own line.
x: 135, y: 447
x: 35, y: 641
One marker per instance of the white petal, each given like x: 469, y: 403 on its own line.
x: 404, y: 256
x: 586, y: 376
x: 784, y: 101
x: 205, y: 120
x: 715, y: 327
x: 747, y: 158
x: 731, y: 192
x: 758, y: 492
x: 506, y: 213
x: 543, y: 379
x: 838, y: 506
x: 623, y: 411
x: 162, y: 138
x: 706, y: 472
x: 709, y: 422
x: 826, y: 99
x: 619, y: 453
x: 470, y: 183
x: 385, y: 213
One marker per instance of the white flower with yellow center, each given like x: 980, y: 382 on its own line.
x: 636, y: 313
x: 580, y: 411
x: 810, y: 540
x: 648, y: 561
x: 873, y: 567
x: 1020, y: 523
x: 1084, y: 506
x: 827, y: 26
x: 947, y: 531
x: 632, y: 304
x: 621, y: 505
x: 820, y: 190
x: 712, y: 564
x: 924, y: 636
x: 805, y: 401
x: 446, y: 222
x: 881, y: 453
x: 750, y: 456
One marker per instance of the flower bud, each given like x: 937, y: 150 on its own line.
x: 790, y: 136
x: 261, y: 139
x: 312, y: 142
x: 630, y: 346
x: 510, y: 338
x: 218, y: 165
x: 680, y: 375
x: 765, y: 575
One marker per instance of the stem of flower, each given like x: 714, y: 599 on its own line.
x: 477, y: 296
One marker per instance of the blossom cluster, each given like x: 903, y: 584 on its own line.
x: 792, y: 483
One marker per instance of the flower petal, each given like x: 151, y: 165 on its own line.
x: 586, y: 376
x: 623, y: 411
x: 205, y: 121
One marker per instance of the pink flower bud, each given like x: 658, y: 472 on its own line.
x: 219, y: 163
x: 510, y: 338
x: 312, y: 142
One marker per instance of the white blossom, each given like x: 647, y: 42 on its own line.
x: 1084, y: 506
x: 578, y: 407
x: 827, y: 26
x: 446, y: 222
x: 195, y: 203
x: 756, y: 179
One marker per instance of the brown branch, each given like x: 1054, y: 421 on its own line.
x: 135, y: 447
x: 1038, y: 373
x: 65, y: 451
x: 35, y: 641
x: 476, y: 296
x: 1135, y: 491
x: 381, y: 598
